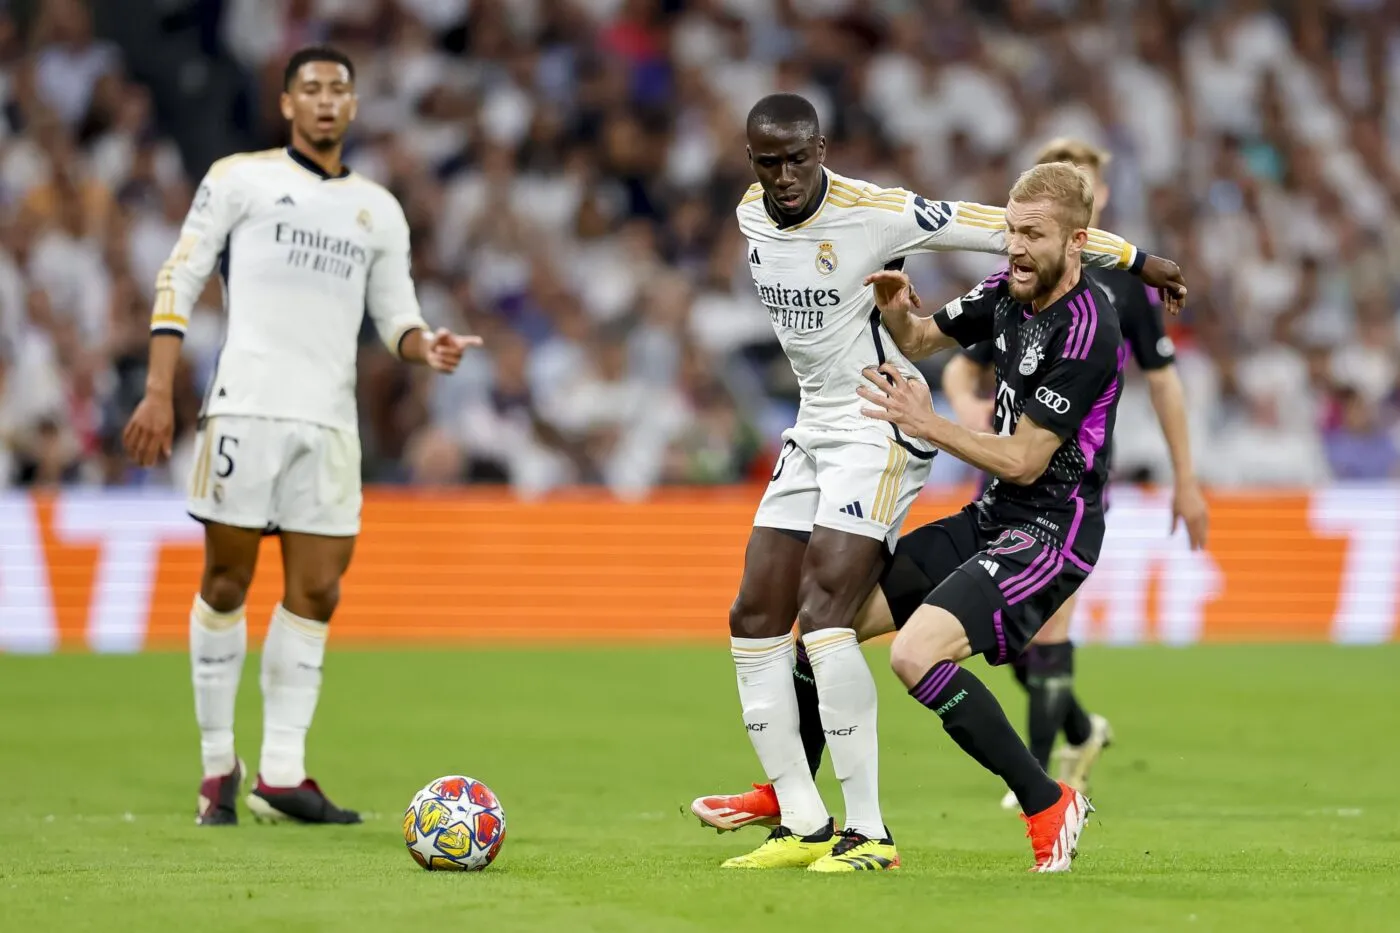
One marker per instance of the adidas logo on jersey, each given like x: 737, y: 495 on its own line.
x: 287, y: 200
x: 854, y: 509
x: 753, y: 257
x: 990, y: 566
x: 1001, y: 342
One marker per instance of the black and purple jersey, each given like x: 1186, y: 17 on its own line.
x: 1062, y: 368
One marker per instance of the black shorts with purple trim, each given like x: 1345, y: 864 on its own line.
x: 1002, y: 584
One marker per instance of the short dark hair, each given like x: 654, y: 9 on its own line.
x: 314, y: 53
x: 784, y: 111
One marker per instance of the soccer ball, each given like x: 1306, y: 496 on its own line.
x: 454, y: 824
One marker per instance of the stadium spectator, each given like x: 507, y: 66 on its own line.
x: 570, y: 169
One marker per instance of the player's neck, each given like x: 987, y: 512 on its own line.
x: 328, y: 160
x: 1067, y: 284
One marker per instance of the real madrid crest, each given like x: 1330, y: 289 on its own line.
x: 826, y: 258
x: 363, y: 219
x: 1031, y: 360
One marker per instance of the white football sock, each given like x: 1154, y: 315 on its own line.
x: 291, y: 684
x: 764, y: 666
x: 218, y: 642
x: 847, y: 699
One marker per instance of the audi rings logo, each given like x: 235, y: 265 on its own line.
x: 1052, y: 400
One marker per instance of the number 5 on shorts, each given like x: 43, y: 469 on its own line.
x: 227, y: 445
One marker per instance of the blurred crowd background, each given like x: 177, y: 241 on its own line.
x: 570, y: 170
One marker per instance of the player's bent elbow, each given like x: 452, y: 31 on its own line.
x: 1024, y: 473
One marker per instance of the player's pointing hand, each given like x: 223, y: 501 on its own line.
x: 446, y: 348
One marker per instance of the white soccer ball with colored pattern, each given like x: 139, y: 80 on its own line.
x: 454, y: 824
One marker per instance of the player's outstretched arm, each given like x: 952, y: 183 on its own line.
x: 925, y: 225
x: 1019, y: 458
x: 916, y: 336
x: 392, y: 303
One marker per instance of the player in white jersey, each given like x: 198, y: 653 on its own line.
x: 305, y: 247
x: 842, y: 485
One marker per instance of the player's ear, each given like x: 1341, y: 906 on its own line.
x: 748, y: 152
x: 354, y: 106
x: 1077, y: 241
x: 821, y: 149
x: 285, y: 104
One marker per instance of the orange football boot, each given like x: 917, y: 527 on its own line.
x: 758, y: 807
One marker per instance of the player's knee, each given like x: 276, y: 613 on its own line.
x: 931, y: 635
x: 749, y: 619
x: 225, y: 586
x: 313, y: 596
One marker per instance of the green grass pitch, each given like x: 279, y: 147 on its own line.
x: 1251, y: 789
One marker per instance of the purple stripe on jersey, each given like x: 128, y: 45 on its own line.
x: 1078, y: 501
x: 997, y: 277
x: 1075, y: 325
x: 1094, y: 428
x: 1030, y: 588
x: 934, y: 682
x: 1081, y: 564
x: 1001, y: 637
x: 1034, y: 581
x: 1091, y: 326
x: 1029, y: 572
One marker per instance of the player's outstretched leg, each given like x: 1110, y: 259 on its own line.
x: 924, y: 656
x: 293, y: 654
x: 760, y: 624
x: 218, y: 643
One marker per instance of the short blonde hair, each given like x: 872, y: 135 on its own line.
x: 1076, y: 151
x: 1064, y: 183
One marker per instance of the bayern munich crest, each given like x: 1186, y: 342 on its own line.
x: 1031, y: 360
x: 826, y: 258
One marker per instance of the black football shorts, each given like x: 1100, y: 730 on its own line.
x: 1002, y: 584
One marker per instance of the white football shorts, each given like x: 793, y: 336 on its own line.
x: 862, y: 482
x: 277, y: 475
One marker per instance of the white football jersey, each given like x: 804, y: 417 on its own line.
x: 809, y: 277
x: 303, y: 256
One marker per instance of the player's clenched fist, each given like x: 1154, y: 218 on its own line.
x: 446, y: 348
x: 150, y: 431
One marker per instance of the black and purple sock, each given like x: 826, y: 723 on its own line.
x: 975, y: 720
